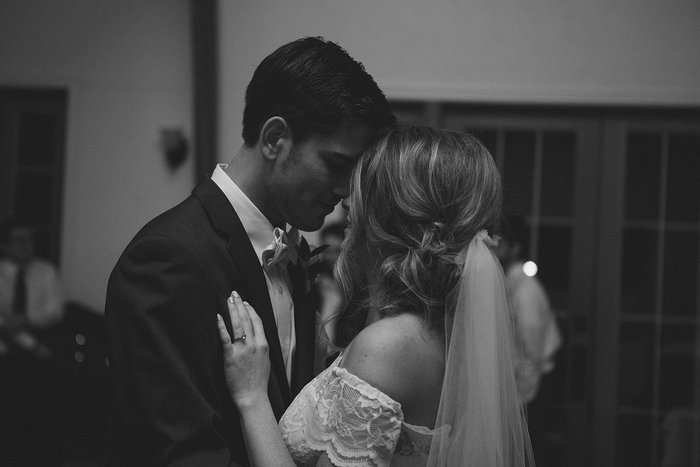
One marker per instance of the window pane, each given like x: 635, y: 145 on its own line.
x: 677, y: 376
x: 635, y: 368
x: 639, y: 269
x: 34, y: 198
x: 634, y: 441
x: 643, y: 176
x: 518, y: 172
x: 558, y: 153
x: 683, y: 192
x: 488, y: 138
x: 37, y: 134
x: 680, y: 273
x: 554, y: 263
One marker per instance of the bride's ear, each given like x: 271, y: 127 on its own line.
x: 275, y: 137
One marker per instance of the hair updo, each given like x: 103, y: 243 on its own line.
x: 418, y: 196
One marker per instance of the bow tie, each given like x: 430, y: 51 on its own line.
x: 282, y: 250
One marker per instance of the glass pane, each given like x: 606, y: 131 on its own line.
x: 643, y: 176
x: 677, y: 375
x: 37, y: 135
x: 680, y: 273
x: 554, y: 384
x: 680, y: 438
x: 34, y: 198
x: 558, y: 156
x: 554, y: 263
x: 489, y: 138
x: 639, y: 271
x: 635, y: 368
x: 634, y: 441
x: 579, y: 367
x: 518, y: 172
x: 683, y: 192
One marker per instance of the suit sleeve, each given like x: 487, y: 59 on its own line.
x: 166, y: 359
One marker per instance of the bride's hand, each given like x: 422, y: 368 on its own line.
x: 246, y: 361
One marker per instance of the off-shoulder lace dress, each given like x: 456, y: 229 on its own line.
x: 354, y: 423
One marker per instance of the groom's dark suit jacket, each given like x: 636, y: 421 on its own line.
x: 169, y: 402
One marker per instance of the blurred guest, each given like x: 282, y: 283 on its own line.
x: 31, y: 304
x: 537, y: 332
x: 31, y: 299
x: 535, y: 323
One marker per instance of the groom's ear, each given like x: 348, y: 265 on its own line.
x: 275, y: 137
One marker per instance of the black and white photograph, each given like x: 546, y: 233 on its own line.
x: 406, y: 233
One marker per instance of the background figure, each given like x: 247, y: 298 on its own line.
x: 31, y: 307
x: 538, y: 335
x: 31, y: 300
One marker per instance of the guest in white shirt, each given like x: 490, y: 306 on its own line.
x: 30, y: 292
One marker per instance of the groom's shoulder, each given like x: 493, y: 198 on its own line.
x: 176, y: 219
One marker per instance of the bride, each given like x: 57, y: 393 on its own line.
x: 430, y: 378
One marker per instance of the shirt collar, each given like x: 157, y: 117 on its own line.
x: 256, y: 225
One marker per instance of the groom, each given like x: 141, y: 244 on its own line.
x: 310, y: 111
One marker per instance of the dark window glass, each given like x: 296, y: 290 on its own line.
x: 558, y: 158
x: 635, y: 367
x: 634, y: 441
x: 554, y: 263
x: 681, y: 259
x: 579, y: 369
x: 677, y: 376
x: 34, y: 196
x: 488, y: 138
x: 643, y: 176
x: 554, y: 385
x: 518, y: 172
x: 683, y: 191
x: 37, y: 134
x: 639, y: 269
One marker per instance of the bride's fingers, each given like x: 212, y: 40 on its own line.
x: 243, y: 314
x: 255, y: 321
x: 225, y: 338
x: 235, y: 314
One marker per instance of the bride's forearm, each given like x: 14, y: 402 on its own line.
x: 262, y: 436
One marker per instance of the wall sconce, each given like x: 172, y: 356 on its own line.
x: 175, y: 146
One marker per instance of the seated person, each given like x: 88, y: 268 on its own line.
x: 30, y: 294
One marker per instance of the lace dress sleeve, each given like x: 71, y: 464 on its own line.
x: 354, y: 423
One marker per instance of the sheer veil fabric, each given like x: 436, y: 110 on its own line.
x: 480, y: 421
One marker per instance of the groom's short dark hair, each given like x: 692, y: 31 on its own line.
x: 315, y: 85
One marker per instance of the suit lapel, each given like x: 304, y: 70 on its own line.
x: 224, y: 218
x: 305, y: 327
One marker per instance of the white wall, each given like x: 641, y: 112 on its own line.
x: 126, y: 65
x: 535, y: 51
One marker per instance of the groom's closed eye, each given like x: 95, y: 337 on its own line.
x: 339, y: 163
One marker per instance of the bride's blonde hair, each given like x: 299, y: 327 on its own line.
x: 418, y: 196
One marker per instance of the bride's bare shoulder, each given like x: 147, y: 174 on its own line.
x: 399, y: 356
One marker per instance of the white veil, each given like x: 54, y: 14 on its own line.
x: 480, y: 421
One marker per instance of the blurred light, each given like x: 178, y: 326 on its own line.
x: 530, y: 268
x: 79, y: 357
x: 80, y: 339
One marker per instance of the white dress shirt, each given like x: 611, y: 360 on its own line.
x: 44, y: 295
x: 260, y: 233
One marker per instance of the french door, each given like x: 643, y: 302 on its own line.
x: 612, y: 198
